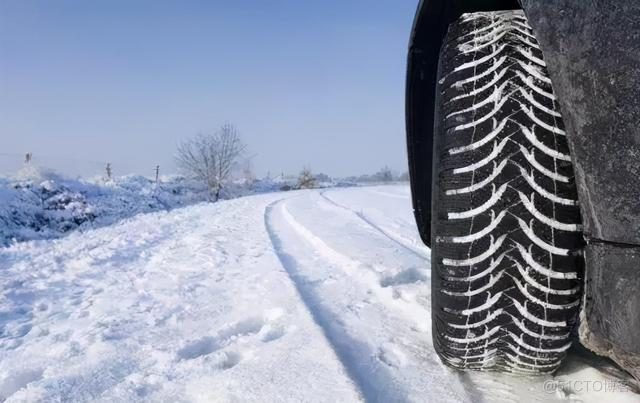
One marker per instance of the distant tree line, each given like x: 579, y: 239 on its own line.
x: 384, y: 175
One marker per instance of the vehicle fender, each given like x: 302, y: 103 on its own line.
x: 592, y: 51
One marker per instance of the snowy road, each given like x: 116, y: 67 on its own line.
x: 298, y: 296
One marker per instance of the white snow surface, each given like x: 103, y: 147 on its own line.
x: 320, y: 295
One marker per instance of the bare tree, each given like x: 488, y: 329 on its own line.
x: 306, y: 180
x: 209, y: 158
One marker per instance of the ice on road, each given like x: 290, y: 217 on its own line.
x: 319, y: 295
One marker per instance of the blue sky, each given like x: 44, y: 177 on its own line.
x: 315, y: 83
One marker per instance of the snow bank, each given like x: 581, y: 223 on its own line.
x: 39, y: 204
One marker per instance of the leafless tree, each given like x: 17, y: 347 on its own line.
x: 306, y: 180
x: 209, y: 158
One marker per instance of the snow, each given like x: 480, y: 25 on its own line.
x: 37, y: 203
x: 319, y: 295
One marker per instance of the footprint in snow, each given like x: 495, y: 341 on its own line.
x: 273, y: 333
x: 391, y: 355
x: 244, y: 327
x: 209, y: 344
x: 409, y: 276
x: 230, y: 359
x: 17, y: 380
x: 198, y: 348
x: 15, y: 330
x: 262, y: 326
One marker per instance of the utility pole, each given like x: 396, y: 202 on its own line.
x: 157, y: 174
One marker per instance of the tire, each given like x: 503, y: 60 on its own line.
x: 507, y: 250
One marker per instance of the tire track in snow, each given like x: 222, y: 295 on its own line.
x: 336, y: 337
x: 361, y: 273
x: 377, y: 383
x: 381, y: 350
x: 375, y: 226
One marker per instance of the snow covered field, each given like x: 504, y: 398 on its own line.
x: 316, y: 295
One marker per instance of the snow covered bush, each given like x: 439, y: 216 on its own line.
x: 37, y: 204
x: 306, y: 180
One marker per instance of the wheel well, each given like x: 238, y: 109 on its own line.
x: 429, y: 28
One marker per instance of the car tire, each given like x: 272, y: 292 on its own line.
x: 506, y: 228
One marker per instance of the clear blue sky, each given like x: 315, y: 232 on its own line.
x: 316, y: 83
